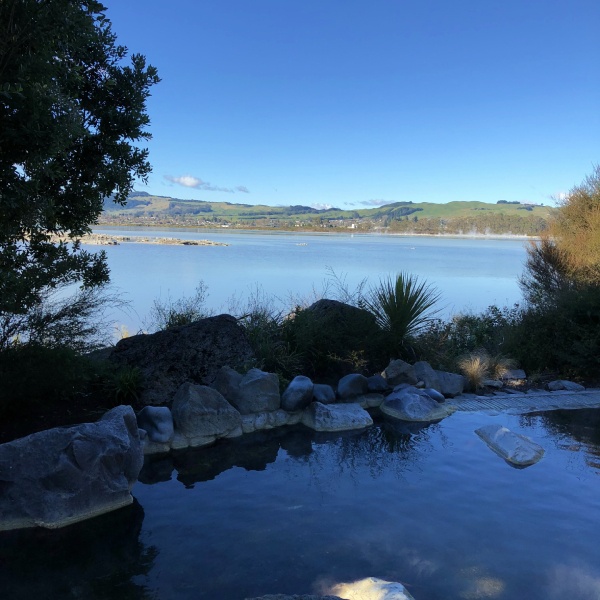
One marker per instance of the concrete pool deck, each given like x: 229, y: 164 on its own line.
x: 522, y: 403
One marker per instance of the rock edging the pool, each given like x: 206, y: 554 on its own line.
x: 236, y: 404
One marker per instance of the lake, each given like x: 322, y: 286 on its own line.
x: 470, y: 273
x: 292, y: 511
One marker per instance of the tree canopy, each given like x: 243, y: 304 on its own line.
x: 568, y: 255
x: 72, y: 111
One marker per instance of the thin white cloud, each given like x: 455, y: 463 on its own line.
x: 186, y: 180
x: 321, y: 206
x: 191, y: 181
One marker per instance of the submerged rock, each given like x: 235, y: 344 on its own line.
x: 68, y: 474
x: 336, y: 417
x: 516, y: 449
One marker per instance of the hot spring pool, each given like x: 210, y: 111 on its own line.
x: 296, y: 512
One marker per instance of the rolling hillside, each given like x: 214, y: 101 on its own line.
x: 408, y: 217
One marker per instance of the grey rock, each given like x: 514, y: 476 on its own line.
x: 451, y: 384
x: 434, y: 394
x: 398, y: 372
x: 190, y: 353
x: 151, y: 448
x: 414, y: 405
x: 516, y: 449
x: 227, y: 382
x: 371, y: 400
x: 294, y: 418
x: 264, y: 420
x: 563, y: 384
x: 68, y: 474
x: 425, y: 373
x: 493, y: 383
x: 513, y: 374
x: 201, y: 414
x: 277, y: 418
x: 298, y: 394
x: 323, y: 393
x: 336, y: 417
x: 157, y: 421
x: 351, y: 386
x: 377, y: 384
x: 248, y: 423
x: 258, y: 391
x: 261, y: 421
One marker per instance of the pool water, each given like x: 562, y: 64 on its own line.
x: 292, y: 511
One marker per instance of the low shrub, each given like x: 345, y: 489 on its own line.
x: 183, y: 311
x: 479, y: 365
x: 443, y: 343
x: 36, y: 378
x: 476, y: 369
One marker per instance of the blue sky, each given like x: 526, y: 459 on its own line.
x: 354, y: 103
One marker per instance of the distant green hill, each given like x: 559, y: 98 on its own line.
x: 403, y: 217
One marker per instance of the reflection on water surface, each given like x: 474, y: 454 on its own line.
x: 296, y: 512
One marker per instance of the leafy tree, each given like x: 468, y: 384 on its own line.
x: 71, y: 113
x: 576, y: 230
x: 568, y: 254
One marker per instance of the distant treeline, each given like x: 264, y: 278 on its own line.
x: 490, y: 223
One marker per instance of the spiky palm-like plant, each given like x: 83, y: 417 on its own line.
x: 402, y: 306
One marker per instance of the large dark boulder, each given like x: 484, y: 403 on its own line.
x: 190, y: 353
x: 68, y: 474
x: 335, y: 339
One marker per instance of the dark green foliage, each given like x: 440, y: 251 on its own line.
x: 563, y: 336
x: 560, y: 327
x: 71, y: 111
x: 124, y: 384
x: 402, y: 306
x: 335, y: 341
x: 273, y: 352
x: 36, y: 378
x: 443, y: 343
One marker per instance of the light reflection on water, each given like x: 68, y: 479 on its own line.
x: 296, y: 512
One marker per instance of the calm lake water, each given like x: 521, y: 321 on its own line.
x: 471, y: 274
x: 296, y: 512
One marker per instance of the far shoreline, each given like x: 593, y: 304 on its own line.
x: 226, y: 230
